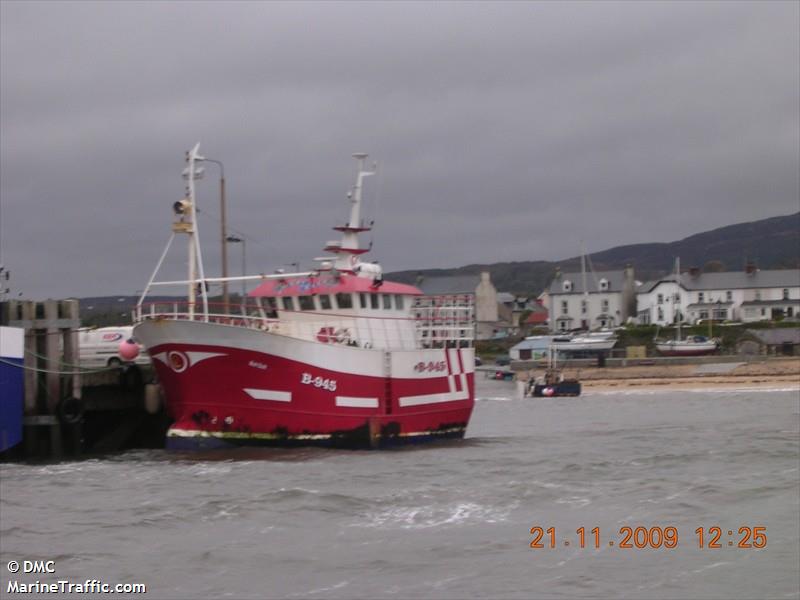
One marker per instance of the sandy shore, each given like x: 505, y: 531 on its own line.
x: 777, y: 373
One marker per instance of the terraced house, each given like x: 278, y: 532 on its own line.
x: 748, y: 296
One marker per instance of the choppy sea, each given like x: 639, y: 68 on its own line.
x: 449, y: 520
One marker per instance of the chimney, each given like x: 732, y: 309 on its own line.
x: 750, y: 268
x: 694, y: 271
x: 558, y: 273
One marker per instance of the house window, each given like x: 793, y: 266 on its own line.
x: 720, y: 314
x: 729, y: 296
x: 306, y: 302
x: 700, y: 297
x: 660, y: 314
x: 564, y: 307
x: 562, y: 325
x: 604, y: 306
x: 785, y: 293
x: 344, y: 300
x: 660, y: 299
x: 677, y: 299
x: 603, y: 285
x: 758, y: 294
x: 584, y: 307
x: 703, y: 314
x: 763, y: 312
x: 567, y: 285
x: 288, y: 303
x: 789, y: 311
x: 398, y: 302
x: 325, y: 302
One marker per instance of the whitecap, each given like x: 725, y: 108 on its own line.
x: 576, y: 501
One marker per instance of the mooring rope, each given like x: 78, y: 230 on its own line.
x: 39, y: 370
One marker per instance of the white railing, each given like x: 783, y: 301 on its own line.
x: 435, y: 322
x: 445, y: 320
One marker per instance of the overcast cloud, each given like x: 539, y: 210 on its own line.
x: 503, y: 131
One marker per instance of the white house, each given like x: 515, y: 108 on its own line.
x: 608, y: 301
x: 749, y: 295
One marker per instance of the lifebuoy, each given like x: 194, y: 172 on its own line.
x: 326, y: 335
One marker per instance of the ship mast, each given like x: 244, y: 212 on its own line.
x: 188, y: 224
x: 347, y: 250
x: 678, y: 281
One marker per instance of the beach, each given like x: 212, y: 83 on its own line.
x: 763, y: 373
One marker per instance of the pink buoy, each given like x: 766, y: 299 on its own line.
x: 128, y: 350
x: 548, y: 391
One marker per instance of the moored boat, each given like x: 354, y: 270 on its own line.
x: 587, y: 342
x: 695, y: 345
x: 335, y: 356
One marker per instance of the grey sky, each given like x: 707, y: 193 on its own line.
x: 504, y: 131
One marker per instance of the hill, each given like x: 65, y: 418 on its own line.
x: 772, y: 243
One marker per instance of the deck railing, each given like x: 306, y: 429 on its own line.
x: 435, y: 322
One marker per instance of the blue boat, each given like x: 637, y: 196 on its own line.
x: 12, y: 343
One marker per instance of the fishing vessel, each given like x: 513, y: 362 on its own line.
x: 334, y: 356
x: 552, y: 382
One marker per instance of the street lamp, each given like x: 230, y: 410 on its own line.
x: 223, y: 233
x: 240, y: 240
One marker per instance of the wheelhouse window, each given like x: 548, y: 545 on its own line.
x: 387, y: 301
x: 325, y: 302
x: 306, y: 302
x: 398, y: 302
x: 272, y: 304
x: 288, y: 303
x: 374, y: 301
x: 362, y: 297
x: 344, y: 300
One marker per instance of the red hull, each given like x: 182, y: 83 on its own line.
x: 233, y: 386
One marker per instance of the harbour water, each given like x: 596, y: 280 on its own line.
x: 451, y: 520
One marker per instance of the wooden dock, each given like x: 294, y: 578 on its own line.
x: 72, y: 411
